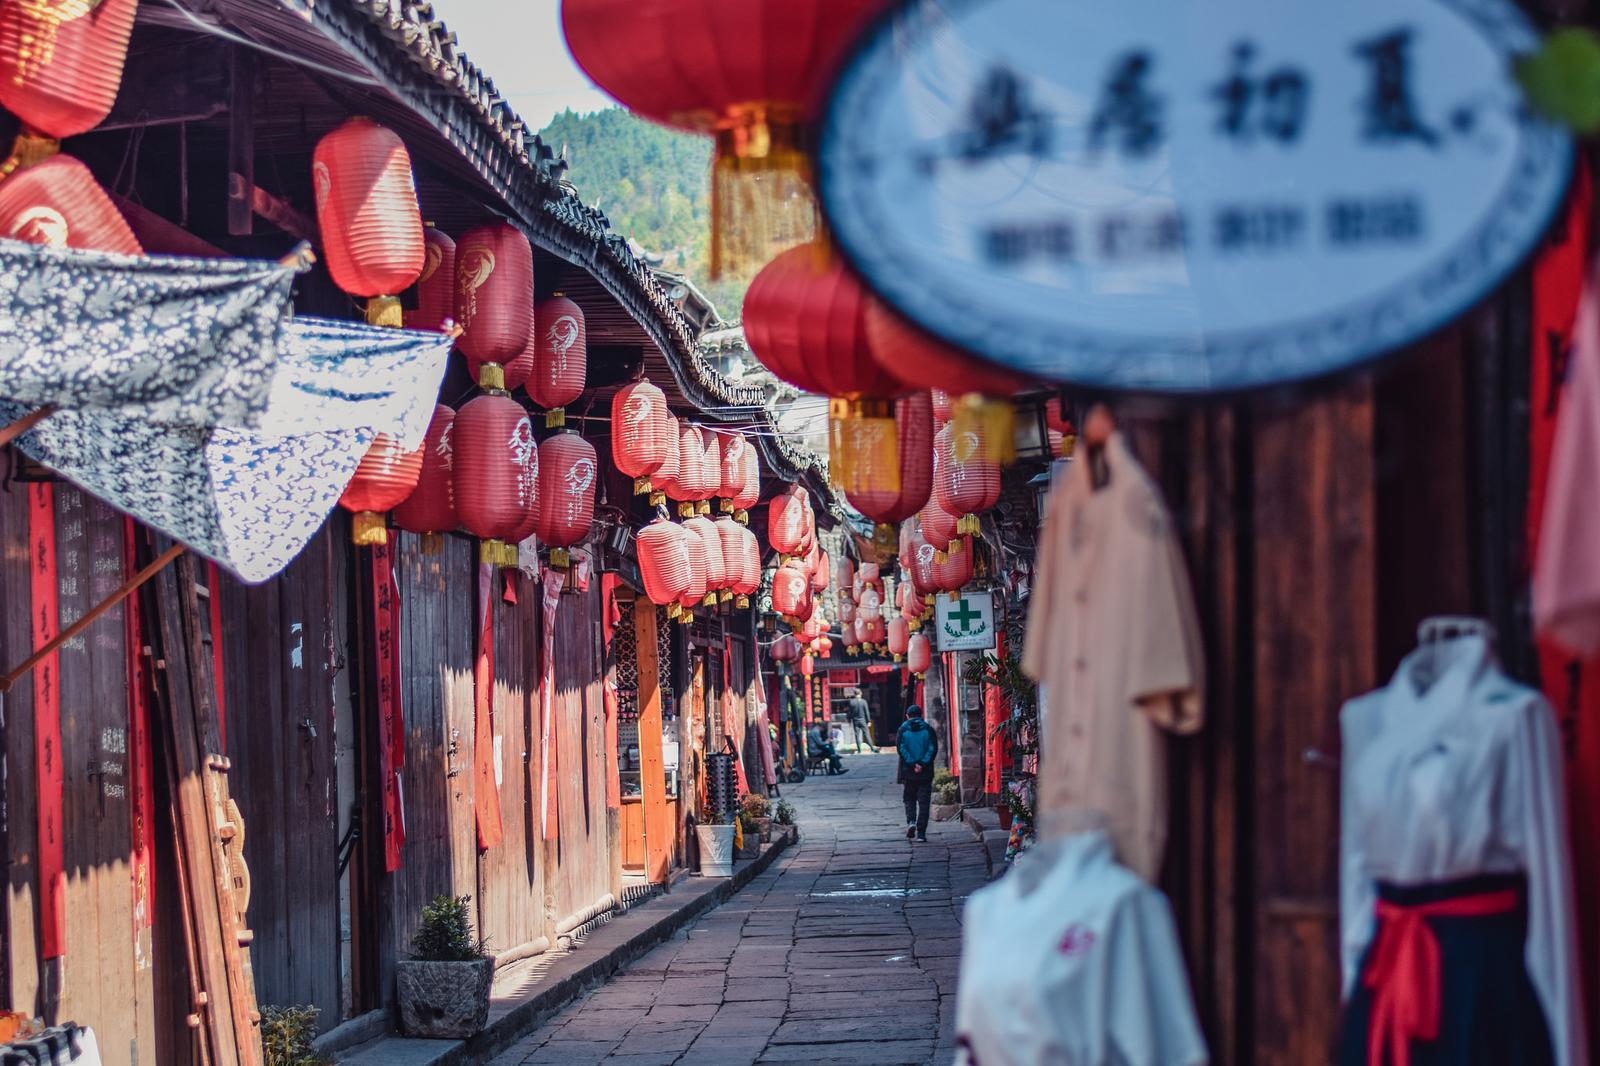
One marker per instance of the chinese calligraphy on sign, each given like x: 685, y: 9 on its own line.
x: 1274, y: 191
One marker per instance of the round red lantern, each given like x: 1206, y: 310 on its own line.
x: 561, y: 365
x: 664, y: 561
x: 898, y: 633
x: 786, y: 521
x: 494, y: 294
x: 58, y: 203
x: 496, y: 469
x: 716, y: 568
x: 431, y: 507
x: 436, y: 285
x: 367, y: 211
x: 919, y: 654
x: 969, y: 479
x: 784, y: 650
x: 61, y: 62
x: 641, y: 433
x: 888, y: 499
x: 952, y: 573
x: 924, y: 361
x: 386, y: 475
x: 567, y: 474
x: 790, y: 589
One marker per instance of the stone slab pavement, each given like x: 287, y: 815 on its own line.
x: 844, y: 952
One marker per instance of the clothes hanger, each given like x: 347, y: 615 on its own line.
x: 1098, y: 425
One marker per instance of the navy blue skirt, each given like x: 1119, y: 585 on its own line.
x: 1489, y: 1013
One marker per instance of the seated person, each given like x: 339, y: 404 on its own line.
x: 816, y: 745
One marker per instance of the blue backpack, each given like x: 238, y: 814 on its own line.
x: 916, y: 744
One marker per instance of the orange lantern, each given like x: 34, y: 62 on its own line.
x: 436, y: 285
x: 386, y: 475
x: 61, y: 62
x: 561, y: 362
x: 58, y: 203
x: 431, y: 508
x: 367, y: 211
x: 494, y: 295
x: 567, y: 476
x: 642, y: 434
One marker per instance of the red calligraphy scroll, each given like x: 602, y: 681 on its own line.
x: 952, y: 694
x: 611, y: 615
x: 391, y: 719
x: 486, y: 790
x: 549, y: 733
x: 141, y: 763
x: 47, y: 721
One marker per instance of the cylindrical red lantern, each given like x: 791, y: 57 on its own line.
x: 561, y: 366
x: 664, y: 561
x: 751, y: 571
x: 869, y: 575
x: 689, y: 485
x: 888, y: 499
x: 749, y: 493
x: 898, y: 634
x: 367, y: 212
x: 520, y: 366
x: 941, y: 406
x: 716, y: 567
x: 821, y: 572
x: 695, y: 593
x: 786, y: 521
x: 870, y: 602
x: 969, y: 479
x: 938, y: 526
x: 919, y: 654
x: 790, y: 589
x: 61, y: 62
x: 735, y: 560
x: 734, y: 447
x: 58, y: 203
x: 665, y: 480
x: 567, y: 476
x: 436, y: 285
x: 924, y: 575
x: 874, y: 630
x: 431, y: 507
x: 494, y: 294
x: 784, y: 650
x: 386, y: 475
x: 642, y: 434
x: 952, y: 573
x: 496, y: 469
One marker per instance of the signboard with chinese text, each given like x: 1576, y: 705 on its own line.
x: 965, y: 623
x: 1184, y: 197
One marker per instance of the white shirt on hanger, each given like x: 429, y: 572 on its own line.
x: 1071, y: 960
x: 1450, y: 771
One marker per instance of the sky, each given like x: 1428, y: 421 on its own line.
x: 519, y: 44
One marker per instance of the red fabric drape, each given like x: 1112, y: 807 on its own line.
x: 47, y: 721
x: 486, y: 790
x: 1571, y: 684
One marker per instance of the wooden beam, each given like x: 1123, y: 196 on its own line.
x: 185, y: 81
x: 659, y: 834
x: 279, y: 212
x: 241, y: 141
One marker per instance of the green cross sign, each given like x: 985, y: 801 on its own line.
x: 965, y: 624
x: 966, y: 616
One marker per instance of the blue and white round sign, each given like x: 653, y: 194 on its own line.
x: 1182, y: 196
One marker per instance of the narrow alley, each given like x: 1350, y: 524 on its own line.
x: 844, y: 952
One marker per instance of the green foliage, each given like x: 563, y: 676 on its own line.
x: 756, y: 805
x: 445, y: 933
x: 942, y: 777
x: 1562, y: 79
x: 654, y: 185
x: 946, y: 787
x: 747, y: 823
x: 286, y: 1035
x: 785, y: 815
x: 1018, y: 694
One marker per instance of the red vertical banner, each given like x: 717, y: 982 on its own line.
x: 141, y: 762
x: 549, y: 732
x: 391, y: 721
x: 953, y: 706
x: 486, y: 789
x: 997, y: 746
x: 47, y: 720
x: 611, y: 615
x: 1572, y: 684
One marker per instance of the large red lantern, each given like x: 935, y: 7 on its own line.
x: 786, y: 521
x: 952, y: 573
x: 367, y: 211
x: 910, y: 604
x: 898, y: 633
x: 431, y: 507
x: 715, y: 566
x: 847, y: 609
x: 872, y: 630
x: 561, y: 365
x: 747, y: 74
x: 386, y: 475
x: 664, y: 561
x: 494, y: 294
x: 642, y: 434
x: 889, y: 499
x: 919, y: 654
x: 58, y: 203
x: 969, y: 479
x: 924, y: 570
x: 784, y: 650
x: 436, y: 285
x: 567, y: 475
x: 496, y: 470
x: 791, y: 587
x: 61, y: 62
x: 518, y: 368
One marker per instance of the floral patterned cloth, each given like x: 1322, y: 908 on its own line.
x: 251, y: 492
x: 158, y: 337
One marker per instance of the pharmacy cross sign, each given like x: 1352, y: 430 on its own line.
x: 966, y: 623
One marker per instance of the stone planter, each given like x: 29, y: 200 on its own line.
x: 944, y: 812
x: 716, y: 850
x: 764, y: 826
x: 444, y: 1000
x: 751, y: 849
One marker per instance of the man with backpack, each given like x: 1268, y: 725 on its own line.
x: 918, y: 745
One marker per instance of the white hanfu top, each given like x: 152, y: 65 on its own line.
x: 1453, y: 770
x: 1071, y: 960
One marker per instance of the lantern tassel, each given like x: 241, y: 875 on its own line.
x: 489, y: 552
x: 641, y: 486
x: 29, y: 149
x: 741, y: 602
x: 555, y: 418
x: 761, y: 202
x: 994, y: 422
x: 560, y: 559
x: 703, y: 507
x: 742, y: 517
x: 863, y: 446
x: 384, y: 311
x: 368, y: 528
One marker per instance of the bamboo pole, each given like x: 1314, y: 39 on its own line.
x: 25, y: 423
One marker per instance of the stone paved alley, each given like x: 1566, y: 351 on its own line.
x: 844, y: 952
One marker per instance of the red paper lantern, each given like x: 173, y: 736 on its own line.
x: 61, y: 62
x: 436, y: 285
x: 567, y: 476
x: 784, y: 650
x: 847, y: 609
x: 561, y: 365
x: 367, y: 211
x: 496, y: 469
x: 716, y: 568
x: 695, y: 593
x: 665, y: 479
x: 925, y: 362
x: 735, y: 559
x: 520, y: 366
x: 664, y: 561
x: 889, y: 495
x: 898, y: 634
x: 969, y: 480
x: 910, y: 603
x: 938, y: 526
x: 749, y: 493
x: 642, y: 434
x: 952, y: 573
x: 924, y: 575
x: 692, y: 483
x: 844, y: 573
x: 871, y: 630
x: 791, y: 589
x: 869, y: 575
x: 752, y: 567
x: 431, y: 507
x: 821, y: 572
x: 494, y: 294
x: 386, y: 475
x: 941, y: 406
x: 786, y: 521
x: 733, y: 467
x: 919, y: 654
x: 58, y: 203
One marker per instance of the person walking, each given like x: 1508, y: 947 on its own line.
x: 861, y: 720
x: 918, y: 745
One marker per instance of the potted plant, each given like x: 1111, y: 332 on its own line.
x: 286, y: 1036
x: 748, y: 840
x: 759, y: 809
x: 784, y: 816
x: 715, y: 835
x: 946, y: 795
x: 444, y: 986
